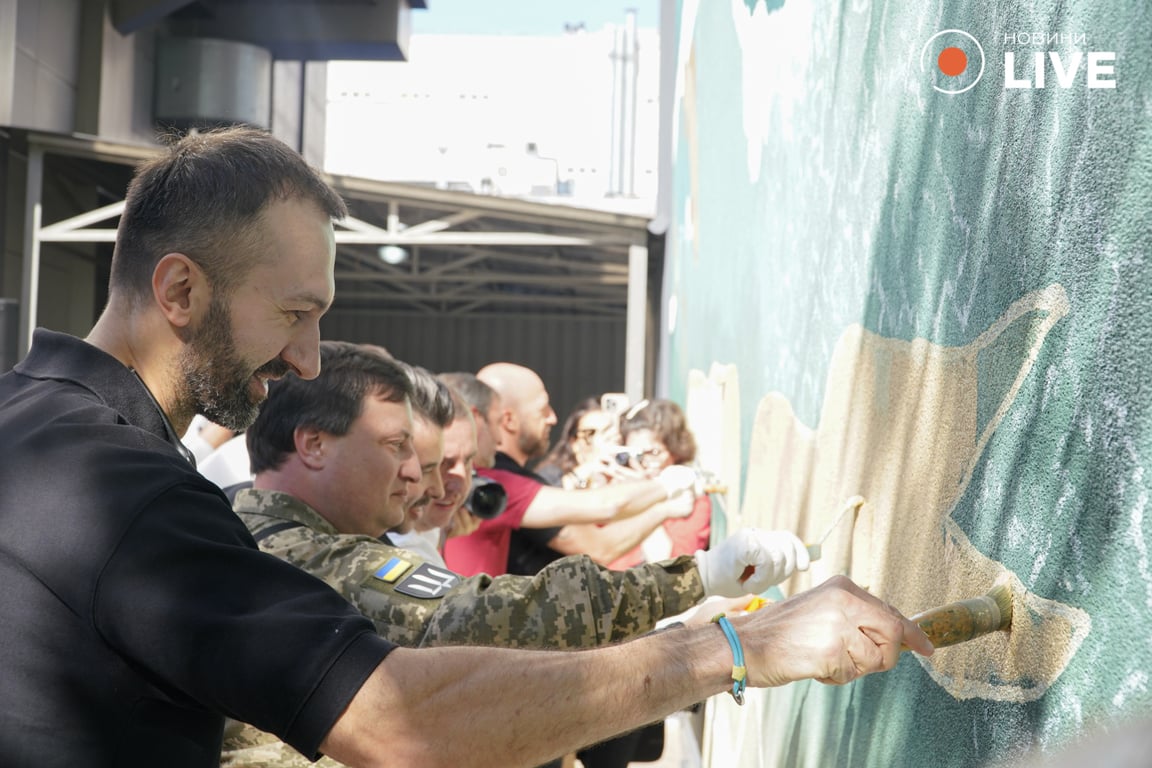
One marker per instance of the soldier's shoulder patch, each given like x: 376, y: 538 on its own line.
x: 428, y: 581
x: 392, y: 569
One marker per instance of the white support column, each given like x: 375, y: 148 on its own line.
x: 30, y: 283
x: 637, y: 321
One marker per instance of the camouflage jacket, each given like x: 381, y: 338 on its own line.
x: 573, y: 603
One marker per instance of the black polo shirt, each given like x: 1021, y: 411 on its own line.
x: 135, y: 610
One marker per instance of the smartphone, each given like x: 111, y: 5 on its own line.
x: 614, y: 403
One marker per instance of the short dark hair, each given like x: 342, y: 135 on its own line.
x: 202, y: 198
x: 431, y: 398
x: 668, y: 424
x: 476, y: 393
x: 330, y: 402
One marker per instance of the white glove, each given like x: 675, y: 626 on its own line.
x: 677, y: 479
x: 773, y: 554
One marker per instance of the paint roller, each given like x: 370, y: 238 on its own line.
x: 711, y: 484
x: 945, y: 625
x: 815, y: 551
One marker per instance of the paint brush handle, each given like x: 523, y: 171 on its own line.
x: 960, y: 621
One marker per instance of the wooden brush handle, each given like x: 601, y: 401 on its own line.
x: 960, y: 621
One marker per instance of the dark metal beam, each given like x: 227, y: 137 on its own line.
x: 130, y: 16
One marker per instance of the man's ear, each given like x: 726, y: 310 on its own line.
x: 510, y: 421
x: 180, y: 289
x: 310, y: 445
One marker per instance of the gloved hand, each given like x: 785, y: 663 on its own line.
x: 773, y: 555
x: 679, y: 478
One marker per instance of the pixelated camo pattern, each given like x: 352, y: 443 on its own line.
x: 574, y: 603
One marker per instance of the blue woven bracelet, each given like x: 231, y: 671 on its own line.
x: 739, y: 671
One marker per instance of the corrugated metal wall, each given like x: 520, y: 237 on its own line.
x: 575, y: 357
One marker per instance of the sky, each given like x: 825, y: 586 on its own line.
x: 527, y: 17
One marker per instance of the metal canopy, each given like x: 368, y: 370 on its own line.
x: 462, y: 252
x: 445, y: 270
x: 407, y: 248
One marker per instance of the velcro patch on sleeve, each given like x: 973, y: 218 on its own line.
x: 427, y: 582
x: 392, y: 570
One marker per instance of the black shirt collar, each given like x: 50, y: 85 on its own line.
x: 60, y: 357
x: 508, y: 464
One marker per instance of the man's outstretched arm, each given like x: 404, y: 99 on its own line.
x: 521, y: 708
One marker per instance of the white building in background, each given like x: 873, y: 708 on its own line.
x: 569, y: 117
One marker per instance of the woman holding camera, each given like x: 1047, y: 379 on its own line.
x: 656, y: 435
x: 586, y: 456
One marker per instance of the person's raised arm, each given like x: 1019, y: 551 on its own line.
x: 522, y: 708
x: 556, y: 506
x: 607, y: 543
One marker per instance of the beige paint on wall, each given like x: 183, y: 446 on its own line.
x: 899, y: 426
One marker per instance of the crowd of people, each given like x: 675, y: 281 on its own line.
x: 339, y: 599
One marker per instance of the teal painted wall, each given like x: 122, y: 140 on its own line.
x: 821, y: 183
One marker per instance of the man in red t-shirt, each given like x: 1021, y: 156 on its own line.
x: 525, y: 424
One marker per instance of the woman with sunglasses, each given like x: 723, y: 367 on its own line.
x: 586, y: 454
x: 656, y: 435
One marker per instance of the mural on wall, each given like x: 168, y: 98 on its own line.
x: 923, y: 283
x: 901, y: 427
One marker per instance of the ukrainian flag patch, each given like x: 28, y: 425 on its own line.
x: 392, y: 570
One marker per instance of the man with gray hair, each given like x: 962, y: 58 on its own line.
x: 433, y: 410
x: 486, y: 409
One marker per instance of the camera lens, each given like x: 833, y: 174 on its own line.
x: 623, y: 458
x: 487, y: 499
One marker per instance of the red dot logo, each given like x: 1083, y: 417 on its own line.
x: 958, y: 58
x: 952, y: 61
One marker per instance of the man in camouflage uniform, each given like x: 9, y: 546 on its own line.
x: 299, y: 511
x: 577, y: 604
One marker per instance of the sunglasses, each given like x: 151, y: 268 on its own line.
x: 586, y: 436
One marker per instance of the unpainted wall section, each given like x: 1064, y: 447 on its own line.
x: 575, y: 357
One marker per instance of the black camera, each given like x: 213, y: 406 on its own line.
x: 487, y: 499
x: 624, y: 456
